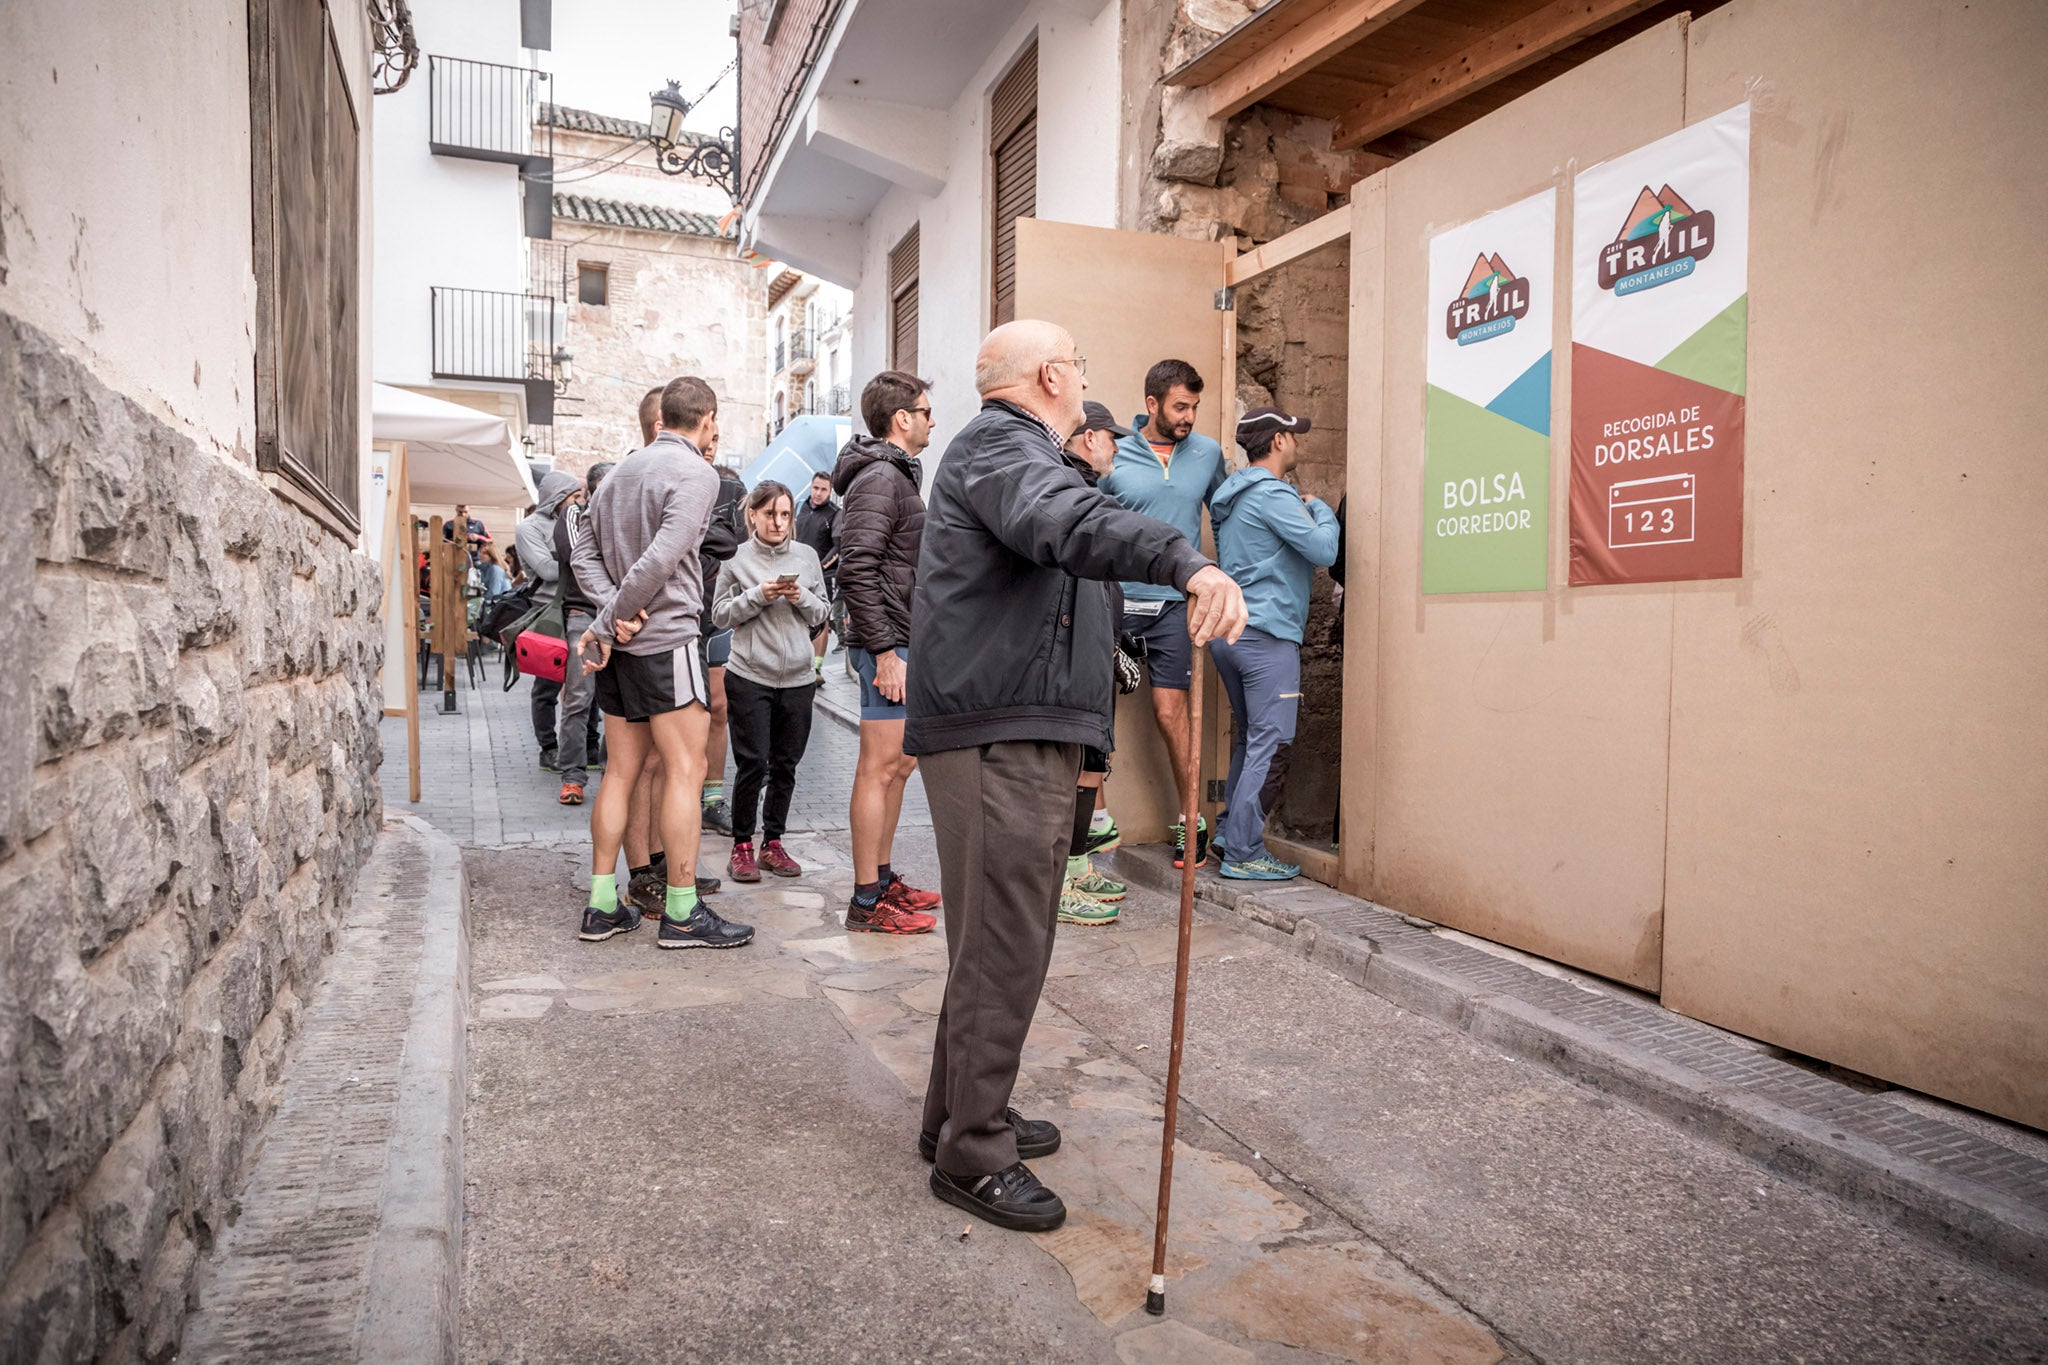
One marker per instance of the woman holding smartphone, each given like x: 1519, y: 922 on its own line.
x: 771, y: 595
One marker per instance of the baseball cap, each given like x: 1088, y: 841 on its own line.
x: 1099, y: 418
x: 1266, y: 421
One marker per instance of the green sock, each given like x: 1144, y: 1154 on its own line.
x: 817, y: 661
x: 604, y: 892
x: 714, y: 792
x: 1077, y: 865
x: 682, y: 903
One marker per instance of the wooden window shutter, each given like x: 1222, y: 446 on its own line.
x: 903, y: 303
x: 1013, y: 157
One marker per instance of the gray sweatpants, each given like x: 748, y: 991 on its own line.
x: 1002, y: 815
x: 577, y: 732
x: 1262, y: 674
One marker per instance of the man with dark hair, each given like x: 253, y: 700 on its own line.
x: 1166, y: 469
x: 880, y: 531
x: 817, y: 525
x: 638, y: 558
x: 650, y: 415
x: 474, y: 536
x: 1014, y: 630
x: 1270, y: 536
x: 578, y: 746
x: 535, y: 539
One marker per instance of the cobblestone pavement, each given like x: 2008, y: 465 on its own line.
x: 481, y: 780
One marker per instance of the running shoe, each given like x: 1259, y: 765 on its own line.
x: 704, y: 929
x: 548, y: 761
x: 1104, y: 839
x: 1266, y: 869
x: 599, y: 925
x: 887, y: 917
x: 1180, y: 841
x: 1011, y: 1198
x: 572, y: 794
x: 1076, y: 908
x: 775, y: 860
x: 1098, y: 887
x: 741, y: 866
x: 718, y: 818
x: 902, y: 893
x: 649, y: 890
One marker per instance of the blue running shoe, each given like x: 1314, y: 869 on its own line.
x: 599, y: 925
x: 1266, y: 869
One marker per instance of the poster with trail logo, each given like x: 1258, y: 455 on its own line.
x: 1660, y: 357
x: 1486, y: 438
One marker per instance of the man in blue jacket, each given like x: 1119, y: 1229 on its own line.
x: 1270, y: 537
x: 1012, y: 629
x: 1166, y: 470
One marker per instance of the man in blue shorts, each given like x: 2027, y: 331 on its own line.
x: 1167, y: 471
x: 881, y: 527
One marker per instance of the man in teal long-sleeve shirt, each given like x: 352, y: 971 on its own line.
x: 1167, y: 471
x: 1270, y: 538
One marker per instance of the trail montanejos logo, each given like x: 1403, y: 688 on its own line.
x: 1494, y: 297
x: 1663, y: 240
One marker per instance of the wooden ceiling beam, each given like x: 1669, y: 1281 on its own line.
x: 1526, y: 41
x: 1308, y: 45
x: 1262, y: 28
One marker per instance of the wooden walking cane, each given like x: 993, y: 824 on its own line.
x: 1191, y: 814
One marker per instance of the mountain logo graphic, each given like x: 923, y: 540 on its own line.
x: 1663, y: 239
x: 1493, y: 298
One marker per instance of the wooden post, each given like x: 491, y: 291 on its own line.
x: 408, y: 595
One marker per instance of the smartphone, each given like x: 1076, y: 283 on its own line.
x: 787, y: 578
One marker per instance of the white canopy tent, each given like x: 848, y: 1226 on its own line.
x: 453, y: 453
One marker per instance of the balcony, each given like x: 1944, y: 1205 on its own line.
x: 839, y: 401
x: 797, y: 354
x: 486, y: 111
x: 496, y: 336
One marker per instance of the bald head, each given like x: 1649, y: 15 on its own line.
x: 1034, y: 365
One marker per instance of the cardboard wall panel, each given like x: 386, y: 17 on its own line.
x: 1859, y: 779
x: 1521, y: 737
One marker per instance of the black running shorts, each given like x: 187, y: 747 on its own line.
x: 643, y: 686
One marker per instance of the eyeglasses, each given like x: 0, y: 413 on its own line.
x: 924, y: 412
x: 1079, y: 362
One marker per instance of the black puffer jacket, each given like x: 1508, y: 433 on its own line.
x: 881, y: 526
x: 1013, y: 629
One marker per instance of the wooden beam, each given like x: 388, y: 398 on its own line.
x: 1258, y: 30
x: 1331, y: 227
x: 1303, y: 49
x: 1528, y: 40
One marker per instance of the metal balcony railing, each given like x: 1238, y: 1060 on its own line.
x: 839, y: 402
x: 498, y: 336
x: 486, y: 111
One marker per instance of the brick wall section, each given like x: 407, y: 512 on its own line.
x: 192, y: 694
x: 675, y: 305
x: 767, y: 70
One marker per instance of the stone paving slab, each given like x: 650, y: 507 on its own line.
x: 1985, y: 1199
x: 348, y: 1243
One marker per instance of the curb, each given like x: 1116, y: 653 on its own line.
x: 1374, y: 947
x: 413, y: 1299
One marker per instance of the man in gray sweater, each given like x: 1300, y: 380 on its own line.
x: 638, y: 559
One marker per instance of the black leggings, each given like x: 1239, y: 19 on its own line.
x: 770, y: 729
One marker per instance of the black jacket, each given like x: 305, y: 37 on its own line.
x: 721, y: 540
x: 573, y: 596
x: 1013, y: 627
x: 818, y: 527
x: 880, y: 530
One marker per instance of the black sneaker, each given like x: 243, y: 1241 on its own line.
x: 1011, y: 1198
x: 703, y: 930
x: 599, y: 925
x: 550, y: 761
x: 718, y: 818
x: 1035, y: 1138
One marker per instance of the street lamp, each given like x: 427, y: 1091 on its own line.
x: 678, y: 153
x: 565, y: 369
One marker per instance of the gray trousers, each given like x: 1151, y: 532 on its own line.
x: 577, y: 731
x: 1262, y: 675
x: 1002, y: 815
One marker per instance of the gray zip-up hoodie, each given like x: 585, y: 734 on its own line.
x: 771, y: 641
x: 636, y: 550
x: 535, y: 537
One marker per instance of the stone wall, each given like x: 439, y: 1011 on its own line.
x: 187, y: 790
x: 675, y: 305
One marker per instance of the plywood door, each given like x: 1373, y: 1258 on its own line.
x: 1859, y: 750
x: 1132, y: 299
x: 1521, y: 738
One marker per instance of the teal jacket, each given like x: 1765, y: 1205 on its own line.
x: 1270, y: 542
x: 1174, y: 494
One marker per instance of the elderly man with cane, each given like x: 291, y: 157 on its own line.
x: 1013, y: 623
